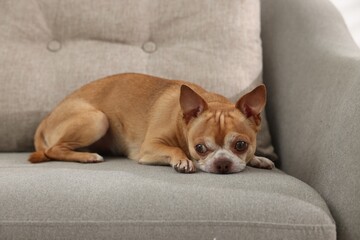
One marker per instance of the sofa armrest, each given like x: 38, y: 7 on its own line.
x: 312, y: 71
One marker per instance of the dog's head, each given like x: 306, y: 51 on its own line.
x: 222, y: 136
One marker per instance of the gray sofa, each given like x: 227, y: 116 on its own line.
x: 312, y: 71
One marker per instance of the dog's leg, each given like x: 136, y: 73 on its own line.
x: 161, y: 154
x: 76, y: 131
x: 79, y: 131
x: 261, y: 162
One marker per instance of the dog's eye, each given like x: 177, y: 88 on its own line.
x: 241, y: 146
x: 201, y: 148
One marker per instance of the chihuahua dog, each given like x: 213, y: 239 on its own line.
x: 154, y: 121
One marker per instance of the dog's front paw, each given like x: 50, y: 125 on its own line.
x: 261, y: 162
x: 185, y: 166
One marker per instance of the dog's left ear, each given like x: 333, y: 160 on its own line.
x: 192, y: 105
x: 252, y: 103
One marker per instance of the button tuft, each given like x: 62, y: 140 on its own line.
x: 54, y: 46
x: 149, y: 47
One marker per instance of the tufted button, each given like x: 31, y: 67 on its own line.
x: 54, y: 46
x: 149, y: 47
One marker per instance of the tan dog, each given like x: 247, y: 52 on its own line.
x: 154, y: 121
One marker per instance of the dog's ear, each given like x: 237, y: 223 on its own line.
x: 252, y: 103
x: 192, y: 105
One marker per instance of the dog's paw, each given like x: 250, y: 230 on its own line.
x: 185, y: 166
x: 91, y: 158
x: 261, y: 162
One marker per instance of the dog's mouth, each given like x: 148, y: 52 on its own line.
x: 220, y: 166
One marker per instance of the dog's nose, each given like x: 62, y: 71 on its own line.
x: 222, y: 165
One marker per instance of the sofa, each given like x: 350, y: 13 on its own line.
x: 311, y: 68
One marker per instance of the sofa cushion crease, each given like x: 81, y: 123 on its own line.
x: 171, y: 223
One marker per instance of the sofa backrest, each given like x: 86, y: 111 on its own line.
x: 49, y: 48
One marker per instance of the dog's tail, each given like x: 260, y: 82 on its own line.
x: 38, y: 157
x: 40, y: 147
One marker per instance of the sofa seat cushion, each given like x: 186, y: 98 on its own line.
x: 120, y: 199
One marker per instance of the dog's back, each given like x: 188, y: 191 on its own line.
x: 120, y: 105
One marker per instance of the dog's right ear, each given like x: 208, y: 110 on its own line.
x: 192, y: 105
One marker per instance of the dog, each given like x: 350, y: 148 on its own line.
x: 154, y: 121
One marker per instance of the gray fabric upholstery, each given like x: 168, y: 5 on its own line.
x: 120, y: 199
x: 312, y: 70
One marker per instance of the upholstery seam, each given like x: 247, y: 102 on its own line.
x: 172, y: 223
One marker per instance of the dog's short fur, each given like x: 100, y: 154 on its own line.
x: 154, y: 121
